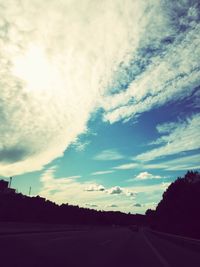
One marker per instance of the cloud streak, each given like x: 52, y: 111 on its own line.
x: 109, y: 155
x: 127, y: 166
x: 179, y: 137
x: 183, y: 163
x: 102, y: 172
x: 164, y: 68
x: 73, y: 191
x: 55, y: 68
x: 146, y: 175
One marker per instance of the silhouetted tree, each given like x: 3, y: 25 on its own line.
x: 179, y: 209
x: 17, y: 207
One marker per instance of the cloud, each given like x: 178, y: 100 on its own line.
x: 68, y: 189
x: 183, y: 136
x: 53, y: 78
x: 74, y: 177
x: 131, y: 194
x: 183, y: 163
x: 95, y: 187
x: 80, y: 146
x: 115, y: 190
x: 148, y: 189
x: 146, y: 175
x: 126, y: 166
x: 13, y: 154
x: 102, y: 172
x: 55, y: 69
x: 74, y: 191
x: 164, y: 67
x: 112, y: 206
x: 109, y: 155
x: 137, y: 205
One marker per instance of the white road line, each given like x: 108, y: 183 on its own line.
x: 184, y: 238
x: 161, y: 259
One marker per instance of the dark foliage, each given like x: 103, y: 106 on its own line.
x: 179, y: 210
x: 17, y: 207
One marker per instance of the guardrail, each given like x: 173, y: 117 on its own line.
x: 183, y: 241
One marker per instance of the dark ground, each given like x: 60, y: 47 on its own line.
x: 94, y: 246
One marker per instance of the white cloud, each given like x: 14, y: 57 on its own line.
x: 109, y: 155
x: 126, y: 166
x: 74, y: 177
x: 68, y: 190
x: 102, y: 172
x: 115, y: 190
x: 165, y: 72
x: 149, y: 189
x: 146, y: 175
x: 131, y: 194
x: 184, y: 136
x: 137, y: 205
x: 75, y: 192
x: 80, y: 146
x: 183, y: 163
x: 55, y: 68
x: 112, y: 206
x: 95, y: 187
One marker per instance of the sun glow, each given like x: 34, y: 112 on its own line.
x: 36, y: 70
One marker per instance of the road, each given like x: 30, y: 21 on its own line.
x: 94, y: 247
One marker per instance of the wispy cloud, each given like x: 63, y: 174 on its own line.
x: 138, y: 205
x: 88, y: 193
x: 95, y: 195
x: 146, y: 175
x: 182, y: 163
x: 95, y: 187
x: 112, y: 206
x: 52, y: 76
x: 165, y: 66
x: 111, y: 154
x: 80, y: 146
x: 102, y: 172
x: 180, y: 137
x: 126, y: 166
x: 115, y: 190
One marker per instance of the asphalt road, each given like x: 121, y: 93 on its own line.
x: 94, y: 247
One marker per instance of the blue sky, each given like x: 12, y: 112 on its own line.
x: 99, y: 102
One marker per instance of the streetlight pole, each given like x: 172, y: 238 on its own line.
x: 10, y: 182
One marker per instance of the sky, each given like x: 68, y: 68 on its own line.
x: 99, y: 100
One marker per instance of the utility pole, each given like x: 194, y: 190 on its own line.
x: 29, y: 191
x: 10, y: 182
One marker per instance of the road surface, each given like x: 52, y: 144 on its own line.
x: 97, y: 246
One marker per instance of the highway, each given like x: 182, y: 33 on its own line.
x: 97, y: 246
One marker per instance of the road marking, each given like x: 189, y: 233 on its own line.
x: 161, y: 259
x: 184, y: 238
